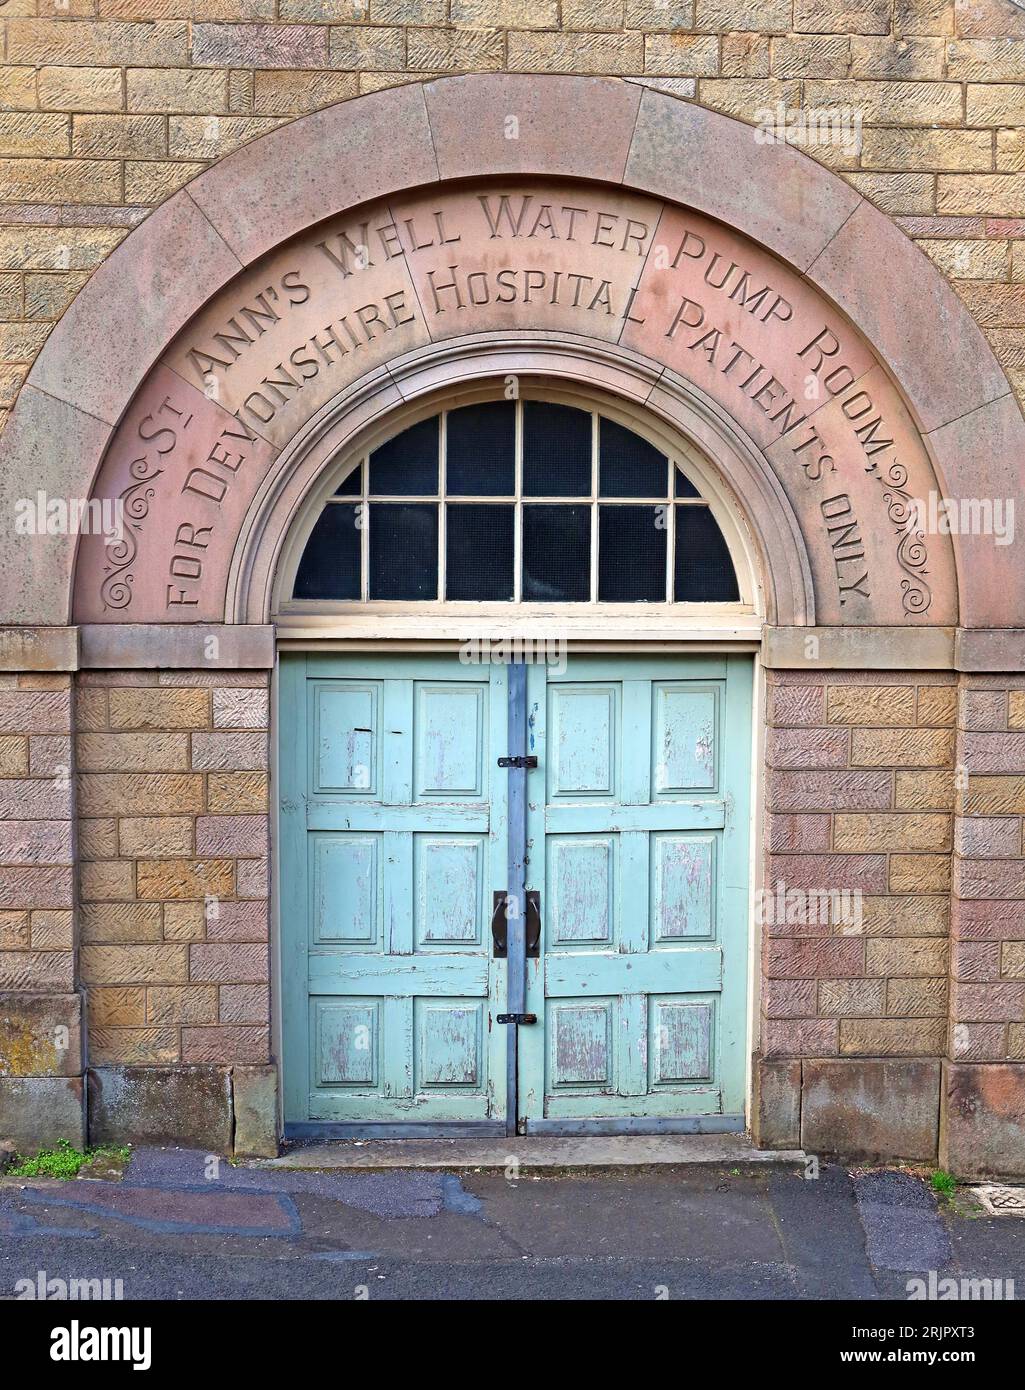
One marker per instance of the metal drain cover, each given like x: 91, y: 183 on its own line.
x: 1002, y: 1201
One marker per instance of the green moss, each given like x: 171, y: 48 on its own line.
x: 63, y: 1161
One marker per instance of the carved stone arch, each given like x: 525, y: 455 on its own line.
x: 953, y: 411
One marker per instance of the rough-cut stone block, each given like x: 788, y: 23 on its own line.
x: 236, y: 752
x: 14, y: 931
x: 185, y: 921
x: 851, y: 998
x: 916, y: 998
x: 150, y: 837
x: 40, y: 1034
x: 983, y: 710
x: 237, y: 792
x: 35, y: 842
x: 919, y: 873
x: 828, y: 872
x: 43, y: 972
x: 244, y: 1004
x: 138, y: 794
x: 133, y: 752
x: 229, y: 964
x: 796, y: 704
x: 902, y: 747
x: 800, y: 1037
x: 983, y: 1120
x: 797, y: 960
x: 162, y: 710
x: 161, y: 1105
x: 776, y: 1104
x: 1012, y: 960
x: 906, y: 955
x: 994, y: 752
x: 885, y: 705
x: 37, y: 1112
x: 35, y: 711
x: 979, y: 1042
x: 798, y: 832
x: 253, y: 878
x: 870, y: 1109
x: 32, y: 886
x: 185, y: 878
x: 226, y: 1043
x: 168, y: 1004
x: 42, y: 799
x: 893, y: 1037
x: 117, y: 1007
x: 789, y: 999
x: 53, y: 930
x: 829, y: 791
x: 995, y: 796
x: 924, y: 791
x: 120, y: 923
x: 231, y: 835
x: 133, y: 1046
x: 905, y: 916
x: 241, y: 709
x: 975, y: 960
x: 106, y: 879
x: 898, y: 831
x: 248, y: 921
x: 990, y: 878
x: 255, y: 1096
x: 984, y: 837
x: 133, y: 965
x: 807, y: 748
x: 992, y: 1002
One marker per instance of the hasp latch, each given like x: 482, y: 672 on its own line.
x: 529, y: 761
x: 516, y: 1018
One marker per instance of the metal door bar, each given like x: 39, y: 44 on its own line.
x: 516, y: 885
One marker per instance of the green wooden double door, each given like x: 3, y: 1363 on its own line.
x: 397, y: 829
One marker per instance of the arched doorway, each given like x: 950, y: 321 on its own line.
x: 514, y: 867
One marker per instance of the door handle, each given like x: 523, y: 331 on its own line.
x: 533, y: 932
x: 500, y: 925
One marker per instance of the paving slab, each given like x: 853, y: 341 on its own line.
x: 533, y: 1152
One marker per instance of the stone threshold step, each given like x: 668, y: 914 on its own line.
x: 532, y: 1152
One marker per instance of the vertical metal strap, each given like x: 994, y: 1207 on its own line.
x: 516, y: 961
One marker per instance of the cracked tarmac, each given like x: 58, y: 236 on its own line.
x: 184, y: 1226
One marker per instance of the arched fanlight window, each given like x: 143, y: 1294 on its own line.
x: 517, y: 501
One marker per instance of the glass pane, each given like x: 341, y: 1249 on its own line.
x: 631, y: 554
x: 704, y: 570
x: 556, y: 450
x: 407, y: 464
x: 628, y: 466
x: 329, y: 567
x: 481, y: 450
x: 404, y: 550
x: 479, y: 552
x: 556, y: 554
x: 352, y: 484
x: 684, y: 486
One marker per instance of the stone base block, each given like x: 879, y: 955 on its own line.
x: 982, y: 1119
x: 255, y: 1096
x: 36, y: 1111
x: 776, y: 1104
x: 869, y: 1109
x: 181, y: 1105
x: 40, y: 1034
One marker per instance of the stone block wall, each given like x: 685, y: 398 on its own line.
x: 172, y: 819
x: 41, y: 1051
x: 860, y: 799
x: 109, y: 106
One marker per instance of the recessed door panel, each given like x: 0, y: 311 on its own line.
x: 346, y: 721
x: 346, y: 890
x: 449, y: 903
x: 449, y: 741
x: 685, y: 747
x: 581, y: 890
x: 582, y: 741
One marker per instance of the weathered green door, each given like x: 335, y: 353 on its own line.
x: 392, y: 844
x: 395, y: 837
x: 638, y: 832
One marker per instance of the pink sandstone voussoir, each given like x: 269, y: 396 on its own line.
x: 713, y: 163
x: 520, y: 124
x: 168, y: 268
x: 884, y: 283
x: 317, y: 166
